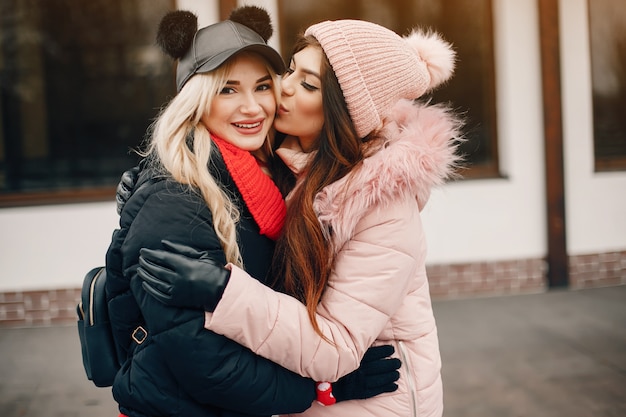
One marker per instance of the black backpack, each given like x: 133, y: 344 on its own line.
x: 94, y: 327
x: 94, y: 330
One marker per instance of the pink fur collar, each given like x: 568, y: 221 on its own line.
x: 419, y: 155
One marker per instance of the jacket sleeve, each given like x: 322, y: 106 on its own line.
x: 371, y: 277
x: 208, y: 367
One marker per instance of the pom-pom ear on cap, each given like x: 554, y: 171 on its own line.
x: 255, y: 18
x: 176, y: 31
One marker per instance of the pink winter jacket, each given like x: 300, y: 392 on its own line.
x: 378, y: 292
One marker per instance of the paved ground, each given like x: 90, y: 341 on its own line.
x: 556, y: 354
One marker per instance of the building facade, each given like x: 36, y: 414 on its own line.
x: 542, y: 203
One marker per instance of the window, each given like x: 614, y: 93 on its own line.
x: 464, y: 23
x: 608, y: 68
x: 80, y: 81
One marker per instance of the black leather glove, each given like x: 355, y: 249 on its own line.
x: 377, y: 373
x: 182, y: 276
x: 125, y: 187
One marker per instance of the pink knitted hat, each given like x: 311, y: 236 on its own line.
x: 376, y: 67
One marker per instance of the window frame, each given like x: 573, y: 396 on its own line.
x: 99, y: 188
x: 605, y: 163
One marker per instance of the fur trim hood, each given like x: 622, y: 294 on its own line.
x: 419, y: 154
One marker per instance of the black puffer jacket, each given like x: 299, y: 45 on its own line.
x: 168, y: 373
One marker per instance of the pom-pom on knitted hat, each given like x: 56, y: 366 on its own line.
x: 376, y: 67
x: 248, y: 28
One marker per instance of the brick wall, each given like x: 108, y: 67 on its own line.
x: 487, y: 278
x: 38, y: 308
x: 604, y: 269
x: 45, y: 308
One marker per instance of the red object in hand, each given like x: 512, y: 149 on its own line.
x: 325, y: 393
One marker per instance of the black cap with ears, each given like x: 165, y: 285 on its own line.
x: 247, y: 29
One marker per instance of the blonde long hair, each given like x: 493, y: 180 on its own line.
x: 169, y: 149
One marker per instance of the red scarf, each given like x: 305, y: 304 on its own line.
x: 259, y: 192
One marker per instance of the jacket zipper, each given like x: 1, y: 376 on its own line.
x: 411, y: 381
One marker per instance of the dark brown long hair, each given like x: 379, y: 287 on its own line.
x: 303, y: 258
